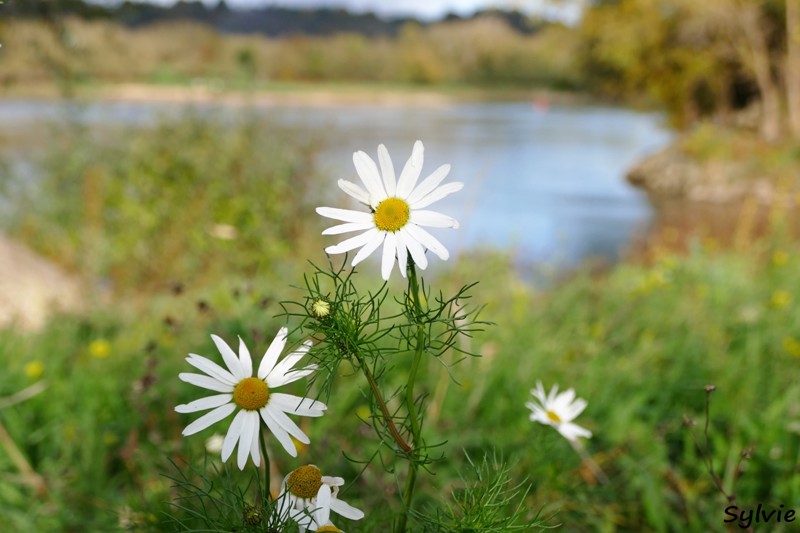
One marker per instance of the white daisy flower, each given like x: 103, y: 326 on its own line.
x: 253, y: 395
x: 396, y: 214
x: 310, y: 497
x: 318, y: 522
x: 558, y: 410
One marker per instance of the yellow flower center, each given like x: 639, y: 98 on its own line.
x: 329, y: 528
x: 251, y: 394
x: 304, y: 482
x: 554, y: 417
x: 392, y: 214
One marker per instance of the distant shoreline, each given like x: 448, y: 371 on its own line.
x: 311, y: 94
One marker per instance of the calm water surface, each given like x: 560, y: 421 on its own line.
x: 547, y: 184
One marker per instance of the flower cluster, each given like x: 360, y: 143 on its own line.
x: 395, y: 219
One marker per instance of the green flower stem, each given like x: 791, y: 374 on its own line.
x: 267, y: 483
x: 376, y: 393
x: 411, y: 405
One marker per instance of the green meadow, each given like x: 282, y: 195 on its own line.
x: 171, y: 253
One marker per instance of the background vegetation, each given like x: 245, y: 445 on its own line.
x: 638, y: 342
x: 200, y: 225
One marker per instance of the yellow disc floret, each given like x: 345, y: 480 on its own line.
x: 392, y: 214
x: 251, y: 394
x: 554, y: 417
x: 304, y: 482
x: 329, y: 528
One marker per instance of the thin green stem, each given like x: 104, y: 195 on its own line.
x: 411, y: 405
x: 376, y: 393
x: 267, y: 483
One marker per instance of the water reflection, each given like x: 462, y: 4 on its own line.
x: 548, y: 183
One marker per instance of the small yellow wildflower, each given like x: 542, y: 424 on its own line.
x: 99, y: 349
x: 34, y: 369
x: 792, y: 346
x: 780, y: 257
x: 781, y: 299
x: 363, y: 412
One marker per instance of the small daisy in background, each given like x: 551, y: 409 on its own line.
x: 558, y: 410
x: 310, y: 497
x: 396, y: 214
x: 253, y: 395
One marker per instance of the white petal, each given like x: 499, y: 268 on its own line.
x: 278, y: 431
x: 354, y: 191
x: 295, y: 405
x: 389, y: 254
x: 551, y: 398
x: 205, y: 382
x: 272, y: 353
x: 255, y: 453
x: 352, y: 243
x: 573, y: 431
x: 387, y: 170
x: 433, y: 219
x: 429, y: 183
x: 245, y: 359
x: 576, y: 408
x: 323, y: 513
x: 369, y: 174
x: 402, y: 255
x: 414, y: 248
x: 292, y: 375
x: 287, y: 364
x: 565, y: 399
x: 538, y: 392
x: 288, y: 424
x: 410, y: 174
x: 209, y: 418
x: 345, y: 215
x: 232, y: 437
x: 438, y: 194
x: 428, y: 241
x: 211, y: 368
x: 346, y: 510
x: 249, y: 426
x: 333, y: 481
x: 204, y: 403
x: 376, y: 239
x: 348, y: 227
x: 230, y: 358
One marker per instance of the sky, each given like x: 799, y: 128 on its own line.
x: 565, y: 10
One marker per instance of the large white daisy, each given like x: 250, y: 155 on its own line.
x: 252, y: 395
x: 396, y: 214
x: 558, y: 410
x: 309, y: 497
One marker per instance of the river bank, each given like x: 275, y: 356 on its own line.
x: 721, y: 166
x: 296, y: 93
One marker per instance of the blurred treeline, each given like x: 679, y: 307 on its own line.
x: 699, y: 58
x: 484, y: 50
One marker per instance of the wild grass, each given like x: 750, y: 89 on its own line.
x: 97, y: 448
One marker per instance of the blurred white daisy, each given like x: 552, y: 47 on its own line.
x: 396, y: 214
x: 310, y: 497
x: 558, y: 410
x: 252, y: 395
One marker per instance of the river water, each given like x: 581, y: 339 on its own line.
x: 547, y: 183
